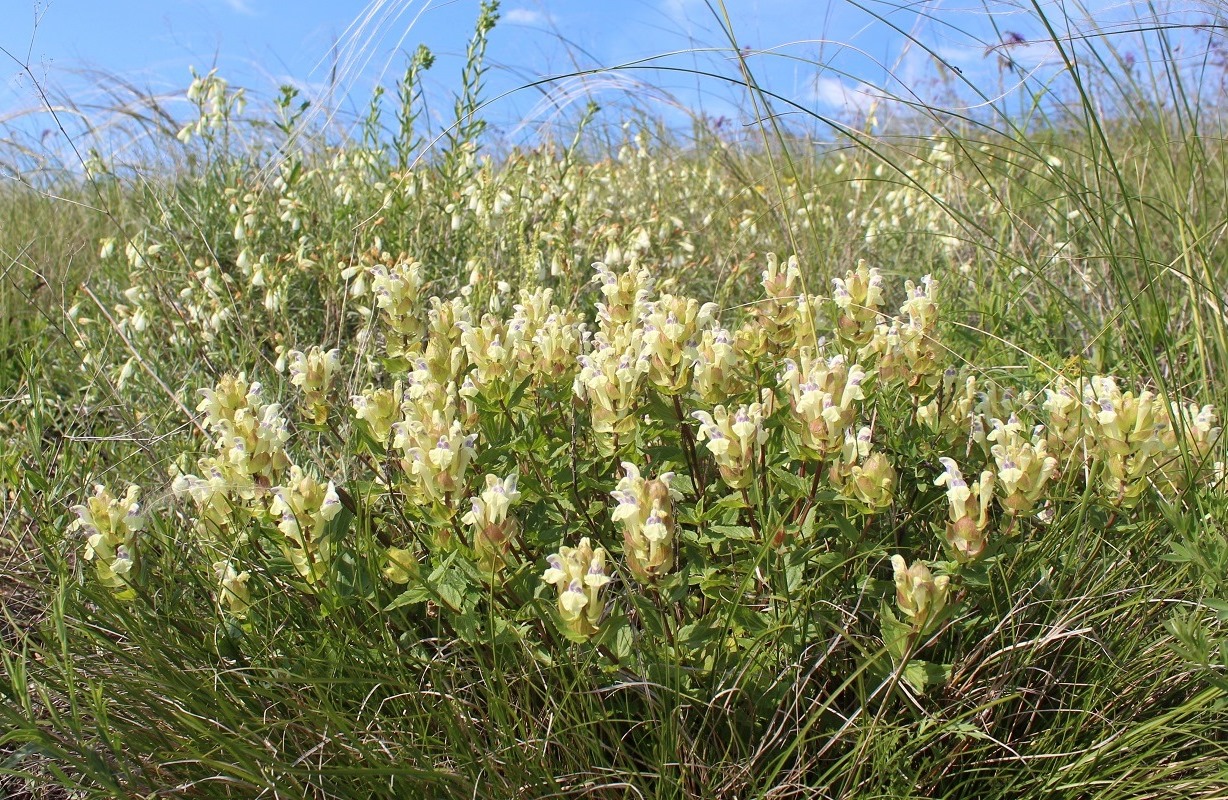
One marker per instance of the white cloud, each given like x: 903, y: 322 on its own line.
x: 525, y: 16
x: 834, y: 93
x: 683, y: 12
x: 240, y: 6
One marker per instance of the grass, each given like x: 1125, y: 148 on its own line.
x: 371, y: 640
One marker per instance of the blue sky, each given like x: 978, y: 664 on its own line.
x: 831, y: 56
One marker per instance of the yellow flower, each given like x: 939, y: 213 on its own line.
x: 111, y: 526
x: 966, y: 530
x: 733, y: 441
x: 579, y: 573
x: 919, y: 595
x: 494, y: 528
x: 646, y: 510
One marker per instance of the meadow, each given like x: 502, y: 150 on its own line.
x: 640, y: 462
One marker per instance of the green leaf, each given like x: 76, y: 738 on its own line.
x: 737, y: 532
x: 732, y: 500
x: 352, y: 579
x: 794, y: 485
x: 807, y: 528
x: 450, y: 584
x: 228, y: 638
x: 699, y: 634
x: 451, y: 588
x: 396, y: 366
x: 22, y: 753
x: 896, y: 634
x: 922, y: 674
x: 976, y: 575
x: 683, y: 483
x: 674, y: 587
x: 1220, y: 607
x: 411, y: 596
x: 649, y: 616
x: 716, y: 585
x: 617, y: 635
x: 518, y: 391
x: 338, y: 526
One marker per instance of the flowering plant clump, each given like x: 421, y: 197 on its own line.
x: 530, y: 390
x: 478, y: 439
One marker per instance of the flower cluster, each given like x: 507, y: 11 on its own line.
x: 1024, y: 466
x: 435, y: 450
x: 303, y: 507
x: 250, y: 444
x: 919, y: 594
x: 494, y: 527
x: 906, y: 346
x: 216, y: 104
x: 313, y: 372
x: 864, y: 476
x: 968, y: 522
x: 396, y: 288
x: 718, y: 370
x: 670, y: 325
x: 859, y: 298
x: 580, y: 575
x: 646, y: 510
x: 111, y: 525
x: 1132, y: 441
x: 786, y: 316
x: 539, y: 343
x: 611, y: 379
x: 379, y: 409
x: 734, y: 441
x: 823, y: 393
x: 233, y: 594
